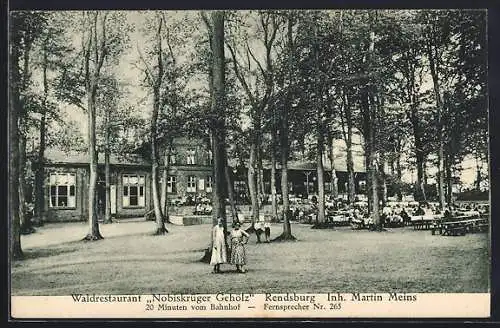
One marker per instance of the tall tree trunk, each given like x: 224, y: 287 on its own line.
x: 374, y: 190
x: 351, y: 186
x: 399, y: 176
x: 434, y: 68
x: 424, y: 173
x: 252, y: 185
x: 421, y: 177
x: 383, y: 181
x: 478, y: 172
x: 370, y: 125
x: 91, y: 86
x: 40, y: 163
x: 157, y: 99
x: 23, y: 218
x: 15, y: 250
x: 164, y: 185
x: 274, y: 205
x: 369, y: 175
x: 319, y: 131
x: 163, y: 192
x: 287, y: 229
x: 160, y: 222
x: 321, y: 179
x: 219, y: 186
x: 441, y: 176
x: 419, y: 151
x: 218, y: 106
x: 449, y: 179
x: 94, y: 233
x: 372, y: 166
x: 107, y: 172
x: 25, y: 225
x: 230, y: 190
x: 216, y: 38
x: 334, y: 181
x: 262, y: 189
x: 260, y: 172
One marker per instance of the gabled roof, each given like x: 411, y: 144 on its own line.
x: 56, y: 156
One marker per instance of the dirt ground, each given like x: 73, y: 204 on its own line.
x: 130, y: 260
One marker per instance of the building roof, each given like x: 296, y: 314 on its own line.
x: 56, y: 156
x: 308, y: 165
x: 339, y: 165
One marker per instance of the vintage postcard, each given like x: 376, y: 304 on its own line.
x: 249, y: 164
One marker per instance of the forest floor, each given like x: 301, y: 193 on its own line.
x: 130, y: 260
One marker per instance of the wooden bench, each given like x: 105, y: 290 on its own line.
x: 482, y: 227
x: 423, y: 225
x: 458, y: 230
x: 357, y: 225
x: 437, y: 227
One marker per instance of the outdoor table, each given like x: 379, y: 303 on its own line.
x: 455, y: 227
x: 468, y: 213
x: 339, y: 219
x: 421, y: 222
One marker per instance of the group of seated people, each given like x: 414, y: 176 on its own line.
x: 203, y: 208
x: 394, y: 214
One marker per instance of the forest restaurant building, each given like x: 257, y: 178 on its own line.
x: 66, y: 176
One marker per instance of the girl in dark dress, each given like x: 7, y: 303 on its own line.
x: 239, y: 238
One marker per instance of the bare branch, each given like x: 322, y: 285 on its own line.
x: 103, y: 43
x: 206, y: 20
x: 79, y: 105
x: 240, y: 76
x: 86, y: 54
x: 96, y: 53
x: 148, y: 71
x: 262, y: 70
x: 102, y: 47
x: 170, y: 46
x: 158, y: 79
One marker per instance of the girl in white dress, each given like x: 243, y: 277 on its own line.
x: 219, y: 254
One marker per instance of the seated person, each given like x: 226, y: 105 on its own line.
x: 384, y: 219
x: 259, y: 228
x: 420, y: 211
x: 198, y: 208
x: 447, y: 214
x: 387, y: 210
x: 368, y: 221
x: 397, y: 220
x: 404, y: 216
x: 267, y: 230
x: 428, y: 211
